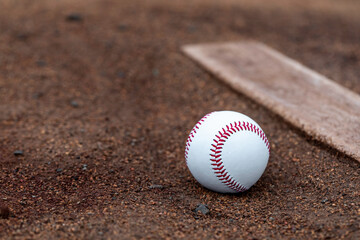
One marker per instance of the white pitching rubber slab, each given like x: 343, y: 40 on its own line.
x: 310, y: 101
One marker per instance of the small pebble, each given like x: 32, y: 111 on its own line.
x: 74, y: 17
x: 155, y: 72
x: 156, y: 186
x: 84, y: 167
x: 22, y: 36
x: 123, y: 27
x: 324, y: 200
x: 192, y: 28
x: 19, y: 153
x: 120, y: 74
x: 133, y: 142
x: 75, y: 178
x: 202, y: 208
x: 37, y: 95
x: 59, y: 170
x: 41, y: 63
x: 74, y: 104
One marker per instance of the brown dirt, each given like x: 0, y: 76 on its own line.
x: 101, y: 102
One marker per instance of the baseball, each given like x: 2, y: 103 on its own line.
x: 227, y: 152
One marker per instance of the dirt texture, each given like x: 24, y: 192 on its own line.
x: 97, y: 100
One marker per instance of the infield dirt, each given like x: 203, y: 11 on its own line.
x: 99, y: 98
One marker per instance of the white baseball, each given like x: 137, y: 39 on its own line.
x: 227, y: 152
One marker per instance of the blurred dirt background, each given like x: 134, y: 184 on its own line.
x: 96, y: 101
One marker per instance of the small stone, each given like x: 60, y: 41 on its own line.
x: 156, y: 186
x: 155, y: 72
x: 202, y: 208
x: 41, y: 63
x: 192, y: 28
x: 74, y: 104
x: 37, y: 95
x: 123, y: 27
x: 23, y: 36
x: 18, y: 153
x: 59, y: 170
x: 74, y: 17
x: 75, y: 178
x: 133, y: 142
x: 324, y: 200
x: 120, y: 74
x: 84, y: 167
x: 4, y: 212
x: 271, y: 218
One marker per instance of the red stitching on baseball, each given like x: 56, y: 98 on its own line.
x: 217, y: 163
x: 191, y: 135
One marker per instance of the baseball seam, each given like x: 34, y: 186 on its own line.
x: 216, y: 157
x: 191, y: 135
